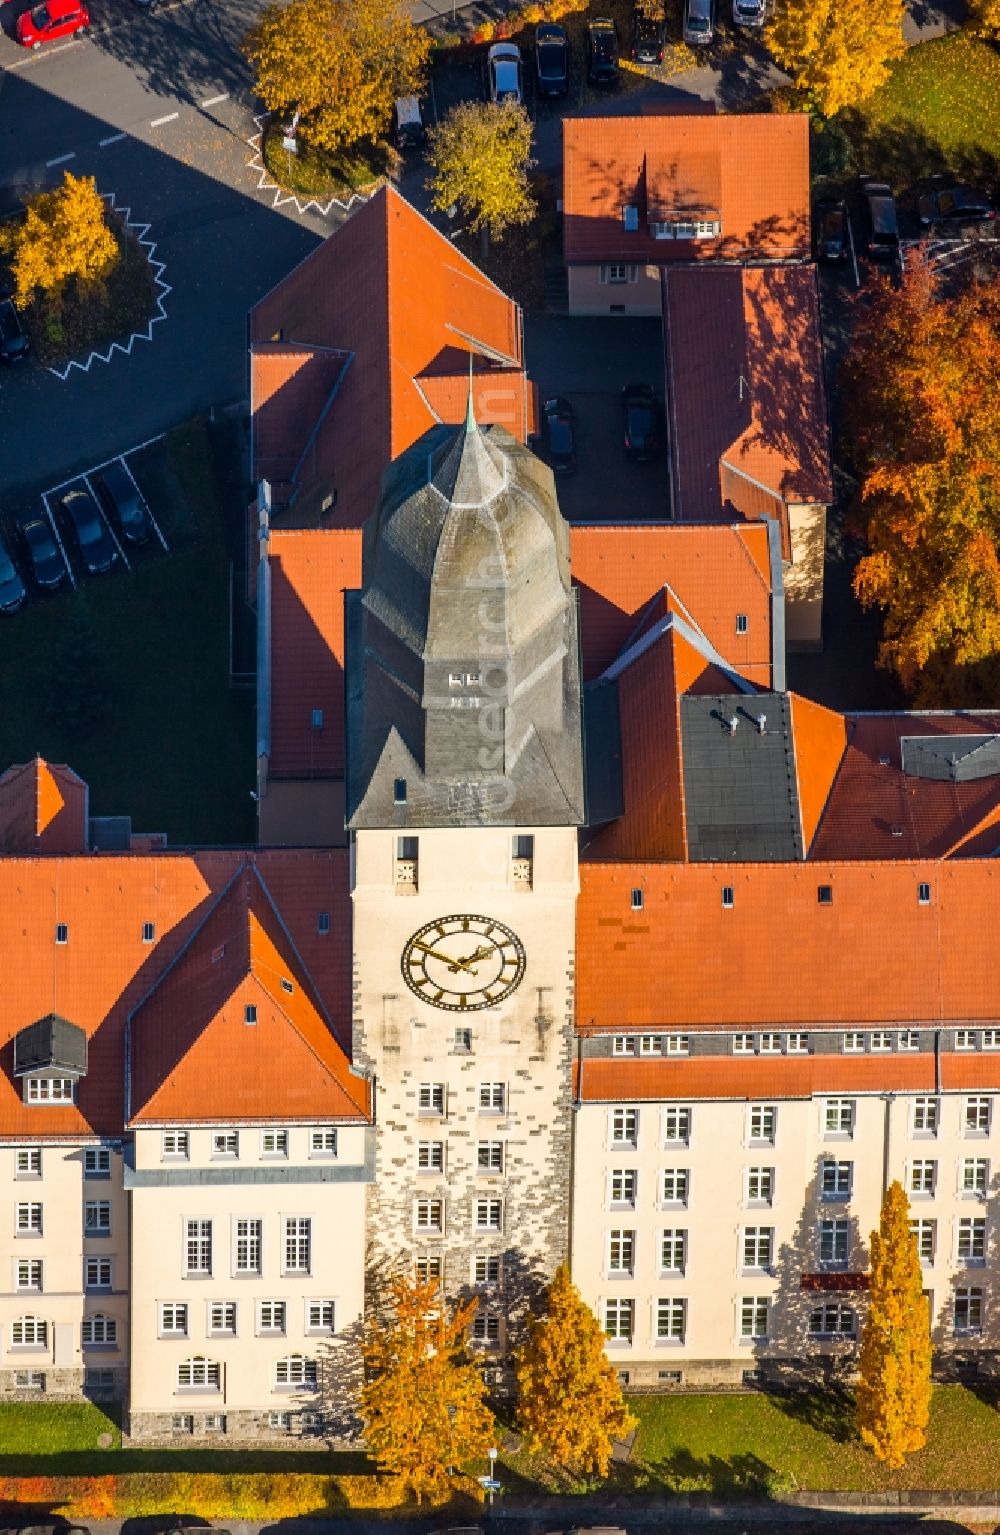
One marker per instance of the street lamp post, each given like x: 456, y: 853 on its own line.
x: 492, y: 1453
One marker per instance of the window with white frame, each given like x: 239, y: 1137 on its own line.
x: 925, y: 1234
x: 770, y: 1044
x: 97, y: 1273
x: 762, y: 1123
x: 97, y: 1162
x: 295, y: 1370
x: 199, y: 1374
x: 975, y: 1176
x: 976, y: 1116
x: 49, y: 1089
x: 222, y: 1318
x: 319, y: 1316
x: 676, y: 1124
x: 489, y: 1214
x: 430, y: 1098
x: 753, y: 1316
x: 832, y: 1320
x: 29, y: 1380
x: 880, y: 1041
x: 652, y: 1044
x: 908, y: 1039
x: 619, y: 1320
x: 624, y: 1183
x: 248, y: 1245
x: 834, y: 1241
x: 28, y: 1274
x: 675, y: 1044
x: 28, y: 1162
x: 215, y: 1423
x: 836, y: 1179
x: 673, y: 1250
x: 280, y: 1422
x: 618, y: 272
x: 853, y: 1042
x: 197, y: 1247
x: 274, y: 1143
x: 624, y: 1127
x: 271, y: 1317
x: 429, y: 1215
x: 173, y: 1321
x: 971, y: 1239
x: 675, y: 1185
x: 99, y: 1331
x: 758, y: 1247
x: 623, y: 1044
x: 489, y: 1156
x: 492, y: 1098
x: 486, y: 1327
x: 297, y: 1244
x: 925, y: 1116
x: 430, y: 1156
x: 965, y: 1039
x: 671, y: 1319
x: 838, y: 1116
x: 798, y: 1043
x: 97, y: 1217
x: 923, y: 1176
x: 621, y: 1252
x: 968, y: 1311
x: 29, y: 1218
x: 175, y: 1143
x: 486, y: 1268
x: 428, y: 1267
x: 991, y: 1039
x: 743, y: 1044
x: 29, y: 1332
x: 182, y: 1423
x: 225, y: 1143
x: 923, y: 893
x: 323, y: 1141
x: 760, y: 1185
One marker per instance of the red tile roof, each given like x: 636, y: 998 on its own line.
x: 715, y: 572
x: 310, y: 572
x: 104, y: 969
x: 819, y: 736
x: 745, y: 393
x: 43, y: 809
x: 752, y: 171
x: 408, y: 309
x: 875, y: 810
x: 750, y: 1077
x: 875, y: 955
x: 193, y: 1055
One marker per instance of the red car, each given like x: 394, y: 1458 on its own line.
x: 56, y: 18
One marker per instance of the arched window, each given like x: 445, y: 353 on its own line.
x: 199, y: 1374
x: 832, y: 1321
x: 98, y: 1328
x: 295, y: 1370
x: 29, y: 1332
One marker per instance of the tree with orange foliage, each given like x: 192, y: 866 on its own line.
x: 923, y: 415
x: 423, y: 1398
x: 570, y: 1401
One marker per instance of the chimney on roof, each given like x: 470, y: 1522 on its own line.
x: 762, y: 724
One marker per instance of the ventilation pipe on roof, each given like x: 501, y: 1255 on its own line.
x: 732, y: 723
x: 762, y: 724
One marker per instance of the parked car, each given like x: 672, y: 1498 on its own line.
x: 560, y: 439
x: 883, y: 225
x: 47, y: 1529
x: 14, y: 342
x: 552, y: 59
x: 118, y: 495
x: 831, y: 226
x: 12, y: 592
x: 56, y: 18
x: 955, y: 205
x: 503, y: 73
x: 648, y: 31
x: 409, y: 129
x: 602, y: 52
x: 749, y: 13
x: 642, y: 421
x: 699, y: 22
x: 47, y: 564
x: 93, y: 540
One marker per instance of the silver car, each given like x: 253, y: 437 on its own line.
x: 699, y: 22
x: 749, y: 13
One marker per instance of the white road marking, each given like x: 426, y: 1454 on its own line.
x: 142, y: 498
x: 55, y: 532
x: 61, y: 159
x: 44, y: 53
x: 213, y: 101
x: 146, y: 443
x: 106, y: 520
x: 159, y: 121
x: 114, y: 138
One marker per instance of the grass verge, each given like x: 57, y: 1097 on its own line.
x: 314, y: 173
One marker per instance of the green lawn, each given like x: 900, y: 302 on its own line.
x: 46, y: 1429
x: 127, y: 678
x: 940, y: 112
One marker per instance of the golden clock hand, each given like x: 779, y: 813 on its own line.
x: 483, y: 952
x: 453, y: 964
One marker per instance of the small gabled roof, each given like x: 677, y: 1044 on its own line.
x: 53, y: 1042
x: 198, y: 1053
x: 43, y: 809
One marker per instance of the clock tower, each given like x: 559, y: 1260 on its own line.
x: 465, y: 792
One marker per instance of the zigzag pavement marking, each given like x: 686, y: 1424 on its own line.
x: 280, y: 199
x: 158, y: 268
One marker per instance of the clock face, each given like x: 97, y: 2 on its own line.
x: 463, y: 963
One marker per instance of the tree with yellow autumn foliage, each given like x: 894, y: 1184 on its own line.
x: 570, y: 1403
x: 337, y: 66
x: 983, y: 18
x: 64, y: 235
x: 423, y: 1400
x: 480, y: 155
x: 837, y: 51
x: 894, y: 1390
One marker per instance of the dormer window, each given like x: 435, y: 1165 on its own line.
x: 50, y: 1056
x: 685, y: 229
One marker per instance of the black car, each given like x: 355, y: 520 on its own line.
x: 96, y: 549
x: 118, y: 495
x: 47, y: 564
x: 883, y: 226
x: 602, y: 52
x: 560, y: 442
x: 642, y: 421
x: 12, y: 592
x: 648, y: 31
x: 13, y: 339
x: 955, y: 205
x: 831, y: 229
x: 552, y: 60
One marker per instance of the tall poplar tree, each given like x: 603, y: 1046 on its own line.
x: 894, y: 1391
x: 570, y: 1402
x: 839, y: 51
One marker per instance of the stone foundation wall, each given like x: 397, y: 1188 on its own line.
x: 242, y: 1426
x: 61, y: 1384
